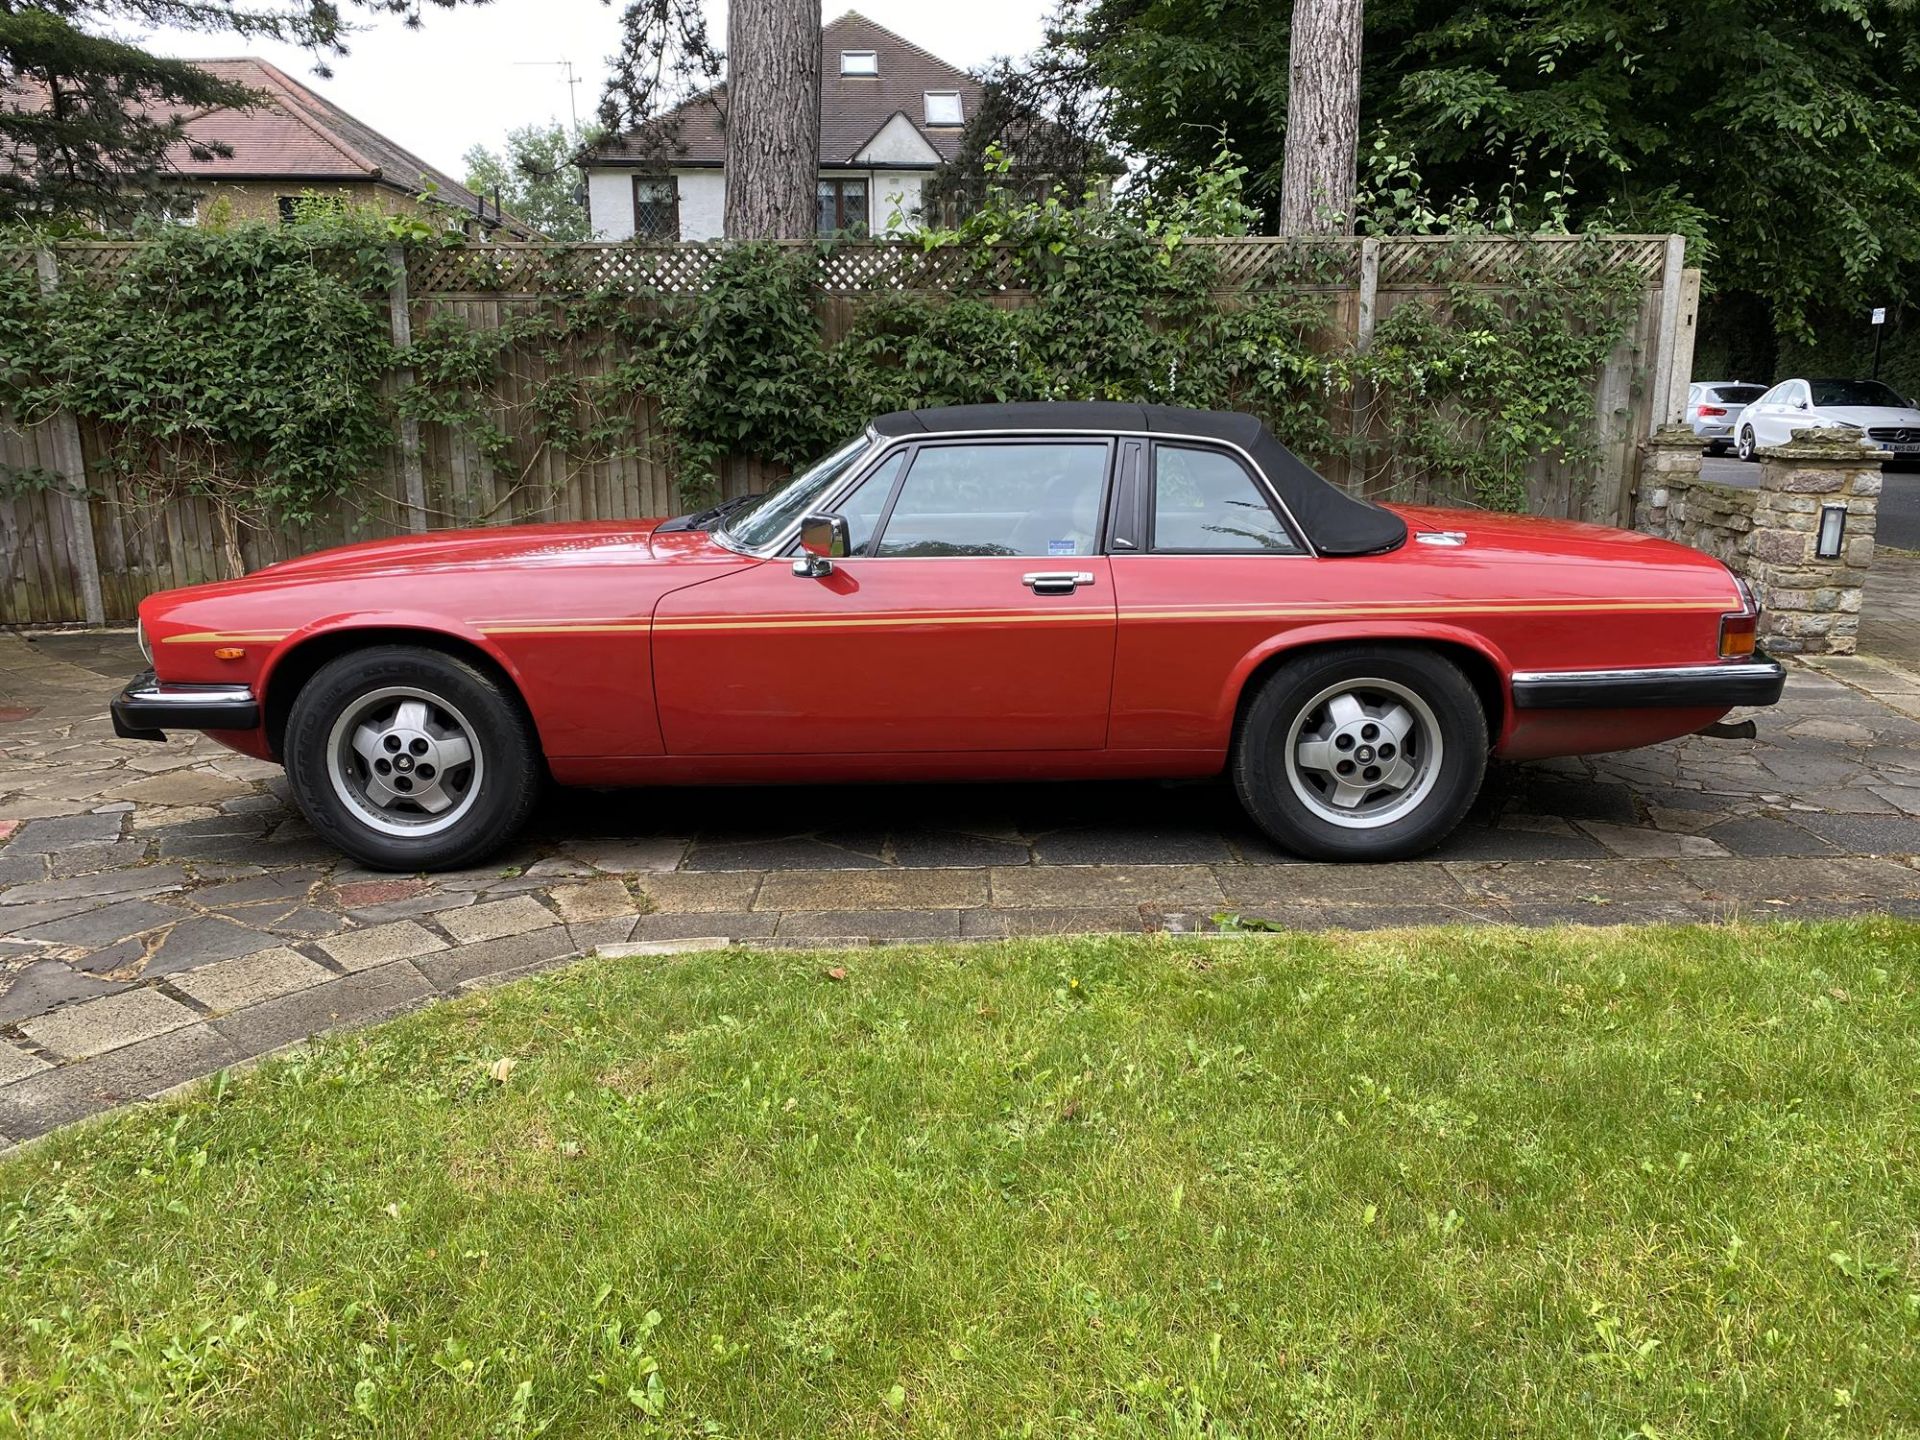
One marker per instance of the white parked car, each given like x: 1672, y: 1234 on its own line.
x: 1871, y: 407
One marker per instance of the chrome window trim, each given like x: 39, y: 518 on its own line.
x: 893, y: 442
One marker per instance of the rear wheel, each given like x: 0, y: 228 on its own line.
x: 1364, y: 753
x: 1716, y: 448
x: 408, y: 759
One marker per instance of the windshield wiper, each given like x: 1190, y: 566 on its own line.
x: 708, y: 518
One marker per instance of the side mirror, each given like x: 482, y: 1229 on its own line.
x: 1801, y: 405
x: 823, y: 539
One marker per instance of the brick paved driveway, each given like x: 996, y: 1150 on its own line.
x: 163, y: 912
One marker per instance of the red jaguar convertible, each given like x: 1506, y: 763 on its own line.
x: 1004, y: 591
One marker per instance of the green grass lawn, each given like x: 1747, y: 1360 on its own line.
x: 1464, y: 1182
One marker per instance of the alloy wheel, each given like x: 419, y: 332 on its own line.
x: 1363, y: 753
x: 405, y: 761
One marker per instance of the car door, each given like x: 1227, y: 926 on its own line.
x: 973, y: 612
x: 1205, y: 568
x: 1787, y: 411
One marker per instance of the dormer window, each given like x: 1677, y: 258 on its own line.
x: 943, y: 107
x: 859, y: 62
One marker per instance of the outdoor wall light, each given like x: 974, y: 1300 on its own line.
x: 1833, y: 528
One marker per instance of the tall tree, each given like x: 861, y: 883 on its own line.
x: 87, y: 118
x: 773, y: 118
x: 1323, y: 118
x: 1782, y: 138
x: 770, y: 102
x: 536, y: 178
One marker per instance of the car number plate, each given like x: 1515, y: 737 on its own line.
x: 1905, y: 449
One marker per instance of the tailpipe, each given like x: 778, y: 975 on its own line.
x: 1738, y: 730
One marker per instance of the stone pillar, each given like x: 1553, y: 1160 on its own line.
x: 1669, y: 467
x: 1812, y: 605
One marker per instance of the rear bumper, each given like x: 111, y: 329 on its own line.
x: 1718, y: 686
x: 147, y: 708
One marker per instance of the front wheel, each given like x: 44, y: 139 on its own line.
x: 409, y: 759
x: 1747, y: 447
x: 1363, y: 753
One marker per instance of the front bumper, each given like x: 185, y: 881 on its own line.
x: 147, y: 708
x: 1717, y: 686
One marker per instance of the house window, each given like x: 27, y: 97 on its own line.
x: 859, y: 62
x: 656, y: 208
x: 943, y: 107
x: 843, y: 207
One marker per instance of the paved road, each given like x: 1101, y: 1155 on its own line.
x: 163, y: 913
x: 1899, y: 524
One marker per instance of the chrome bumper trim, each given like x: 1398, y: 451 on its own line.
x: 1722, y: 684
x: 147, y: 708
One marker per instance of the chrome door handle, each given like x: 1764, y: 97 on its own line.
x: 1056, y: 582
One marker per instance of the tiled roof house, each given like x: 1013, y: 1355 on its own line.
x: 890, y: 115
x: 296, y: 142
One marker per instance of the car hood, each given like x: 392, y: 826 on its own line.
x: 567, y: 543
x: 1875, y: 415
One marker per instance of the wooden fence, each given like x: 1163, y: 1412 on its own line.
x: 87, y: 549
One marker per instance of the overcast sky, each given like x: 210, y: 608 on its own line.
x: 462, y: 76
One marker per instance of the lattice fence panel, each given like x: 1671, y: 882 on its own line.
x: 1244, y: 263
x: 1407, y: 262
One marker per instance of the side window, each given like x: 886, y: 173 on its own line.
x: 1204, y: 500
x: 865, y: 505
x: 1038, y: 498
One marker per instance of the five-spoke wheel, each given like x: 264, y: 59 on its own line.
x: 406, y: 759
x: 411, y: 759
x: 1362, y: 753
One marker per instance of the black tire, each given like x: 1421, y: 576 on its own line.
x: 1716, y: 448
x: 502, y: 779
x: 1295, y: 692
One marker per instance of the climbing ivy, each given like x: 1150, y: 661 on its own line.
x: 254, y: 364
x: 244, y: 363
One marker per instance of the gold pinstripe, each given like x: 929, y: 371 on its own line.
x: 226, y: 637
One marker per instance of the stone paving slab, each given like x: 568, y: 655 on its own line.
x: 164, y: 912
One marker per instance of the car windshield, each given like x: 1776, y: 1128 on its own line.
x: 760, y: 522
x: 1855, y: 392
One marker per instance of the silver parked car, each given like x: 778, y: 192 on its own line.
x: 1871, y: 409
x: 1712, y: 406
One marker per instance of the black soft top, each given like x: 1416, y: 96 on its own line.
x: 1336, y: 523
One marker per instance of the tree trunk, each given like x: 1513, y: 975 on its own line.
x: 1323, y: 118
x: 773, y: 118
